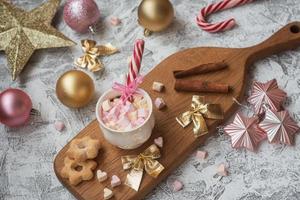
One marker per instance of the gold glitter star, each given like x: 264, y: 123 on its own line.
x: 22, y: 32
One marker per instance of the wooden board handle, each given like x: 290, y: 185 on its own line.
x: 287, y: 38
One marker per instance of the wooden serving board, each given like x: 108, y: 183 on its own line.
x: 178, y: 142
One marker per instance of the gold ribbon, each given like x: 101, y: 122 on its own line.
x: 137, y: 164
x: 91, y: 52
x: 199, y: 111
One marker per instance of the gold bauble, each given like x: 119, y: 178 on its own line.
x: 155, y: 15
x: 75, y: 88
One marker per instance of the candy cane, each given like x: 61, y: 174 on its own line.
x: 212, y: 8
x: 135, y: 61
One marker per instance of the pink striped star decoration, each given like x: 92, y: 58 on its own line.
x: 279, y: 126
x: 266, y: 94
x: 244, y: 132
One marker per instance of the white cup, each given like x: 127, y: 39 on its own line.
x: 126, y: 139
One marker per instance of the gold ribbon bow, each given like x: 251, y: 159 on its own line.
x: 91, y: 52
x: 199, y: 111
x: 137, y: 164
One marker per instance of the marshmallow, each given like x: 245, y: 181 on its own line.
x: 112, y: 125
x: 159, y: 103
x: 139, y: 122
x: 157, y: 86
x: 133, y: 116
x: 116, y: 101
x: 142, y: 113
x: 113, y: 113
x: 107, y: 193
x: 101, y: 176
x: 106, y: 105
x: 115, y: 21
x: 177, y: 185
x: 201, y: 155
x: 222, y: 171
x: 159, y: 142
x: 115, y: 181
x: 123, y: 122
x: 125, y: 116
x: 59, y: 126
x: 128, y: 128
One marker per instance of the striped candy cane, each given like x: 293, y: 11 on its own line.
x: 135, y: 61
x: 212, y: 8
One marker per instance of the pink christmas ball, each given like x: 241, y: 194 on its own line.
x: 15, y: 107
x: 81, y: 14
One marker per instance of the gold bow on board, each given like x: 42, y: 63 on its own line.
x: 91, y: 52
x: 145, y: 160
x: 199, y: 111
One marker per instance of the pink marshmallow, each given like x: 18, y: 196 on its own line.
x: 201, y: 155
x: 159, y: 142
x: 123, y: 122
x: 139, y: 122
x: 59, y: 126
x: 127, y: 108
x: 159, y: 103
x: 142, y: 112
x: 113, y: 113
x: 177, y: 185
x: 222, y: 171
x: 115, y: 21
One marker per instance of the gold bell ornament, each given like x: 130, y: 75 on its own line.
x: 75, y: 88
x: 155, y: 15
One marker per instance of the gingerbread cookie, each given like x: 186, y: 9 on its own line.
x: 83, y: 148
x: 78, y: 171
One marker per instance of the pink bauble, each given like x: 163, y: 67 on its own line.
x: 15, y: 107
x: 81, y: 14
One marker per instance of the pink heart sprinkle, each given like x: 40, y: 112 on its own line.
x: 115, y: 181
x: 177, y: 185
x: 159, y: 142
x: 59, y: 126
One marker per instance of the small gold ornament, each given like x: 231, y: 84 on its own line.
x: 22, y: 32
x: 155, y: 15
x: 75, y: 88
x: 91, y: 52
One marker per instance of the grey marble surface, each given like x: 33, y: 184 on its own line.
x: 26, y: 155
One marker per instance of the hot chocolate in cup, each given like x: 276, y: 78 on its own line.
x: 129, y: 139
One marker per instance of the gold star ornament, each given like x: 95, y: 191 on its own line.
x: 22, y: 32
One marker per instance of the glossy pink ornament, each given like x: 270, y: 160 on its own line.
x: 244, y: 132
x: 81, y: 14
x: 279, y: 126
x: 15, y: 107
x: 266, y: 93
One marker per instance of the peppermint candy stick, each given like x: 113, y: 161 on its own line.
x: 212, y: 8
x: 135, y: 61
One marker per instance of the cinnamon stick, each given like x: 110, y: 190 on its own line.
x: 201, y: 69
x: 200, y: 86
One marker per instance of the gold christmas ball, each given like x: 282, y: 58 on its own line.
x: 155, y: 15
x: 75, y: 88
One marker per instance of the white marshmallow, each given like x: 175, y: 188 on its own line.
x: 157, y: 86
